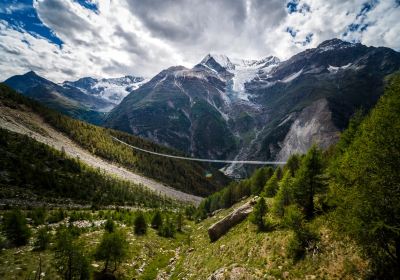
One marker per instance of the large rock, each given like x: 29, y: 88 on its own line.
x: 221, y: 227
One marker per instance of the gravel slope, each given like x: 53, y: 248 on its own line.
x: 29, y: 123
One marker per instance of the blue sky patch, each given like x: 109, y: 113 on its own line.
x: 22, y: 16
x: 88, y: 5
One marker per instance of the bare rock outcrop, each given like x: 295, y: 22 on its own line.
x: 236, y: 216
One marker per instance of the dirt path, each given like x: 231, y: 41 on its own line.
x: 29, y: 123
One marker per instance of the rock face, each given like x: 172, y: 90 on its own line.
x: 256, y: 110
x: 221, y: 227
x: 313, y: 126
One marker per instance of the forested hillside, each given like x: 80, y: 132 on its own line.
x: 350, y: 191
x: 29, y: 167
x: 330, y: 214
x: 188, y: 177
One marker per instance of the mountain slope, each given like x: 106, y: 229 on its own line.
x: 265, y: 109
x: 33, y: 173
x: 111, y: 90
x: 86, y: 99
x: 26, y: 116
x: 70, y: 101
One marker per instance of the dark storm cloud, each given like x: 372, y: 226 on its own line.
x: 188, y: 20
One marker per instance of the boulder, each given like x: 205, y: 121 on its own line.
x: 236, y: 216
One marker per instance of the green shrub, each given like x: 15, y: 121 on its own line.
x: 167, y: 229
x: 140, y: 225
x: 156, y: 221
x: 70, y: 260
x: 257, y: 217
x: 109, y: 225
x: 42, y: 239
x: 16, y: 228
x: 112, y: 249
x: 293, y: 218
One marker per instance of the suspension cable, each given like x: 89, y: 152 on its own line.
x: 255, y: 162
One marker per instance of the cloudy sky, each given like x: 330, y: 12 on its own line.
x: 68, y: 39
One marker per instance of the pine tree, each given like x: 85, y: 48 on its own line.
x: 260, y: 209
x: 308, y: 181
x: 293, y: 164
x: 272, y: 185
x: 109, y: 225
x: 112, y: 249
x: 259, y: 178
x: 365, y: 183
x: 15, y: 228
x: 156, y: 221
x: 140, y: 224
x: 284, y: 196
x: 70, y: 261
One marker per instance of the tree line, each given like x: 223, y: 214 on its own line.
x: 355, y: 184
x: 188, y: 177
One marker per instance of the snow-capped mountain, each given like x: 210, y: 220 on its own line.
x: 257, y: 109
x: 112, y: 90
x: 232, y: 108
x: 87, y: 99
x: 238, y: 72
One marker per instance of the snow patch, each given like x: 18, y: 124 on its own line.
x: 335, y: 69
x: 292, y: 77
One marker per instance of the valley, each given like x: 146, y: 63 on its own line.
x: 98, y: 199
x: 29, y: 123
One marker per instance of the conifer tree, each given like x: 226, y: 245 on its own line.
x: 260, y: 209
x: 365, y: 183
x: 112, y: 249
x: 272, y: 185
x: 140, y: 224
x: 156, y: 221
x: 15, y: 228
x: 308, y: 181
x: 284, y: 196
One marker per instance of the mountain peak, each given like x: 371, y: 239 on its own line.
x: 335, y: 43
x: 221, y: 59
x: 31, y: 73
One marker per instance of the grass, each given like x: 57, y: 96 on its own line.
x: 242, y: 252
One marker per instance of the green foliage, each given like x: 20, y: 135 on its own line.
x: 49, y: 173
x: 38, y: 216
x: 56, y: 216
x: 365, y: 184
x: 188, y: 177
x: 16, y: 228
x: 70, y: 260
x: 272, y: 185
x: 257, y: 217
x: 190, y: 212
x: 109, y: 226
x: 140, y: 224
x: 293, y: 218
x: 308, y: 180
x: 258, y: 179
x: 302, y: 240
x: 179, y: 222
x: 292, y: 164
x: 42, y: 239
x: 168, y: 228
x: 112, y: 249
x: 156, y: 221
x: 233, y: 193
x: 284, y: 196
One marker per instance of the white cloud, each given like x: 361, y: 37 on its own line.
x: 144, y: 37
